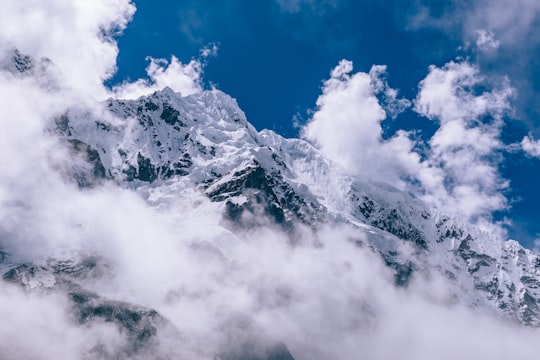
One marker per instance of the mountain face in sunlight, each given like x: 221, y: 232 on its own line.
x: 168, y: 227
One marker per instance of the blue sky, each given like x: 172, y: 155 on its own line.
x: 273, y: 56
x: 267, y: 53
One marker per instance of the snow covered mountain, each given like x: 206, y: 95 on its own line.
x: 165, y: 145
x: 205, y: 141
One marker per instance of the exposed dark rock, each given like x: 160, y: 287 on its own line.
x: 22, y: 62
x: 139, y: 324
x: 529, y: 312
x: 491, y: 287
x: 474, y: 260
x: 531, y: 282
x: 366, y: 207
x: 402, y: 272
x: 268, y: 197
x: 15, y: 275
x: 87, y: 267
x: 62, y: 123
x: 146, y: 170
x: 87, y: 177
x: 150, y: 106
x: 446, y: 230
x: 388, y: 219
x: 391, y: 221
x: 170, y: 115
x: 149, y: 172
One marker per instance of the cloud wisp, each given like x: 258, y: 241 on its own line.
x: 182, y: 78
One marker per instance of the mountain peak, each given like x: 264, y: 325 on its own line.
x: 43, y: 71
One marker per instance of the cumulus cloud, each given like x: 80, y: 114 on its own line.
x: 182, y: 78
x: 457, y: 169
x: 505, y: 33
x: 465, y: 145
x: 531, y: 146
x: 80, y: 40
x: 347, y: 125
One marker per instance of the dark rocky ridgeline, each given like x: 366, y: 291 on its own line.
x: 391, y: 219
x: 42, y: 70
x: 149, y: 172
x: 269, y: 199
x: 87, y: 167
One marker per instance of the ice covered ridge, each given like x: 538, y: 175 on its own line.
x: 204, y: 141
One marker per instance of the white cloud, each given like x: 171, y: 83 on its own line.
x: 486, y: 41
x: 457, y: 172
x: 514, y: 23
x: 531, y: 146
x: 465, y: 145
x: 347, y: 125
x: 79, y: 38
x: 185, y: 79
x: 76, y: 35
x: 507, y: 35
x: 182, y: 78
x: 512, y: 20
x: 536, y: 244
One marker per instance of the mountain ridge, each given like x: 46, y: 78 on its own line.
x: 219, y: 152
